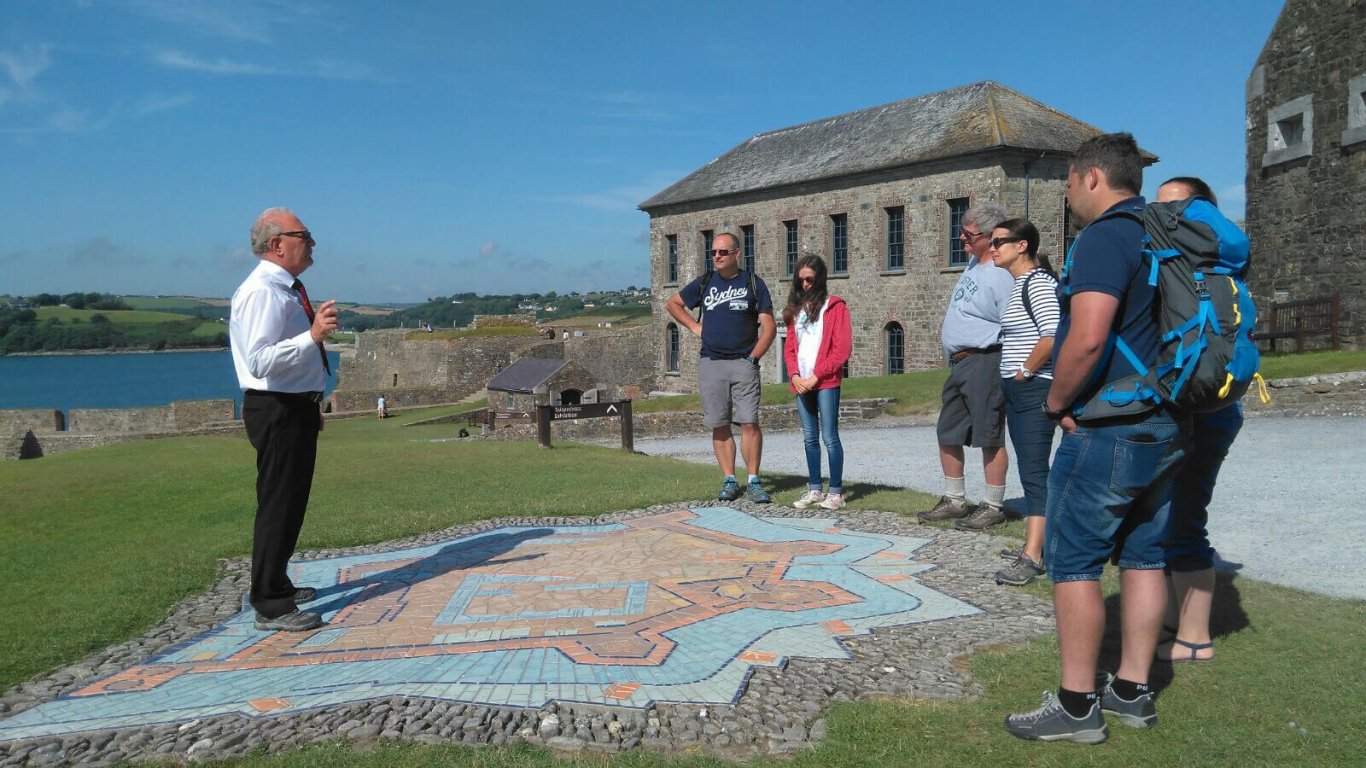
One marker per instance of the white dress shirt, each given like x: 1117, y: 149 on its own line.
x: 272, y: 347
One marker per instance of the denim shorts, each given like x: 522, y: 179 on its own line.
x: 1108, y: 493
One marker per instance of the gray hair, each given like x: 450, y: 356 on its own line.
x: 266, y: 226
x: 986, y: 216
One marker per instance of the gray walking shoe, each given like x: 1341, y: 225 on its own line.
x: 1051, y: 722
x: 945, y: 509
x: 294, y: 621
x: 1020, y: 572
x: 1138, y: 713
x: 984, y: 517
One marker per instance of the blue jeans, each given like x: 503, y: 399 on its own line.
x: 1188, y: 547
x: 1108, y: 494
x: 1031, y: 434
x: 826, y: 403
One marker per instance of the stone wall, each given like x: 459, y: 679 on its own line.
x: 1332, y: 394
x: 176, y: 417
x: 671, y: 423
x: 456, y: 368
x: 915, y: 296
x: 619, y: 358
x: 523, y: 319
x: 35, y: 419
x: 1306, y: 202
x: 189, y: 414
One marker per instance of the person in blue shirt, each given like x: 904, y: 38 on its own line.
x: 736, y: 330
x: 1111, y: 476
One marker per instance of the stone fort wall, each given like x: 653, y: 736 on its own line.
x: 1306, y: 198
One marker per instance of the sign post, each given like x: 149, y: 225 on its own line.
x: 548, y: 413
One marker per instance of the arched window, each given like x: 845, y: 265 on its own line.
x: 896, y: 347
x: 675, y: 349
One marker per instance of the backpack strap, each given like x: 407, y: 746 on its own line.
x: 1028, y: 304
x: 702, y: 289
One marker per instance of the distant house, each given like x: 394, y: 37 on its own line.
x: 879, y: 194
x: 1306, y: 159
x: 531, y: 381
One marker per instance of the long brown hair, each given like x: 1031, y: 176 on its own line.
x: 812, y: 299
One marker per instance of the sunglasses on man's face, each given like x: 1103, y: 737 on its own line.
x: 970, y: 236
x: 723, y: 251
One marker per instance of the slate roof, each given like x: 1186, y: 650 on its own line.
x: 972, y: 118
x: 526, y: 374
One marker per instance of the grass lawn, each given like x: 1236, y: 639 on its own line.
x: 168, y: 302
x: 1313, y: 363
x: 97, y: 545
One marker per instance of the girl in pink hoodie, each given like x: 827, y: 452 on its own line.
x: 819, y: 338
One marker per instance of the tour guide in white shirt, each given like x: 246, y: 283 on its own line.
x: 277, y: 348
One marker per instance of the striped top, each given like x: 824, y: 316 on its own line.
x: 1019, y: 333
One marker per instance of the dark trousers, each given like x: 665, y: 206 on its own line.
x: 284, y: 431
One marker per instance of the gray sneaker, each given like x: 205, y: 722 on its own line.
x: 1020, y: 572
x: 294, y: 621
x: 1138, y: 713
x: 730, y: 490
x: 1051, y: 722
x: 984, y: 517
x: 757, y: 494
x: 945, y: 509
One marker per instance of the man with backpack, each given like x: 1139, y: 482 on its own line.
x: 1111, y: 476
x: 736, y: 328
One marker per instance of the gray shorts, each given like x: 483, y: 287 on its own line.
x: 730, y: 392
x: 974, y: 407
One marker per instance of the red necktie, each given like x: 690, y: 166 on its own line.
x: 308, y: 310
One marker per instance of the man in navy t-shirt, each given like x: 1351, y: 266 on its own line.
x: 736, y: 330
x: 1111, y: 475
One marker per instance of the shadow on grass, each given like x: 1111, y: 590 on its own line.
x: 1226, y: 618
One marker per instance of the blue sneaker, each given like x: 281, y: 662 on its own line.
x: 757, y: 494
x: 1051, y: 722
x: 730, y: 490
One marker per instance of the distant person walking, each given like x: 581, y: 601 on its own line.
x: 736, y: 330
x: 1190, y: 558
x: 819, y: 339
x: 381, y: 408
x: 277, y: 349
x: 973, y: 411
x: 1027, y: 329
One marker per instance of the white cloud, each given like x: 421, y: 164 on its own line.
x: 23, y: 67
x: 220, y: 66
x: 489, y: 248
x: 153, y: 103
x: 326, y: 69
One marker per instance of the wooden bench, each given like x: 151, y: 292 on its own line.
x: 1299, y: 320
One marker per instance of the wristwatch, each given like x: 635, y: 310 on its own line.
x: 1025, y: 373
x: 1052, y: 415
x: 752, y: 359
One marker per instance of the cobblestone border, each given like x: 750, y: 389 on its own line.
x: 780, y: 711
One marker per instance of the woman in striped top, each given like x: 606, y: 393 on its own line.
x: 1027, y: 329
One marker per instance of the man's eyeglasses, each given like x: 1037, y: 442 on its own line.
x: 302, y: 234
x: 963, y: 234
x: 724, y: 251
x: 997, y: 242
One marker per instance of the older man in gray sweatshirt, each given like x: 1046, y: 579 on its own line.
x: 973, y: 410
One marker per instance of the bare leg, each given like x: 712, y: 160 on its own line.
x: 951, y: 459
x: 751, y: 446
x: 723, y: 443
x: 1194, y: 597
x: 995, y: 462
x: 1143, y: 603
x: 1033, y: 546
x: 1080, y: 611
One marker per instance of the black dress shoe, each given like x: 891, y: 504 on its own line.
x: 294, y: 621
x: 304, y: 595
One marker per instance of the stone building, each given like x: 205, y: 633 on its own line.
x: 530, y: 382
x: 1306, y: 158
x: 879, y: 193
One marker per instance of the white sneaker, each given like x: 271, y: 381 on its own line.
x: 833, y: 501
x: 811, y: 497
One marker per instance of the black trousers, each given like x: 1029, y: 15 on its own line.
x: 284, y: 431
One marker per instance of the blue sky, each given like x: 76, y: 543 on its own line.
x: 436, y: 147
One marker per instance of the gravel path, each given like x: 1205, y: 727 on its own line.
x: 1284, y: 510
